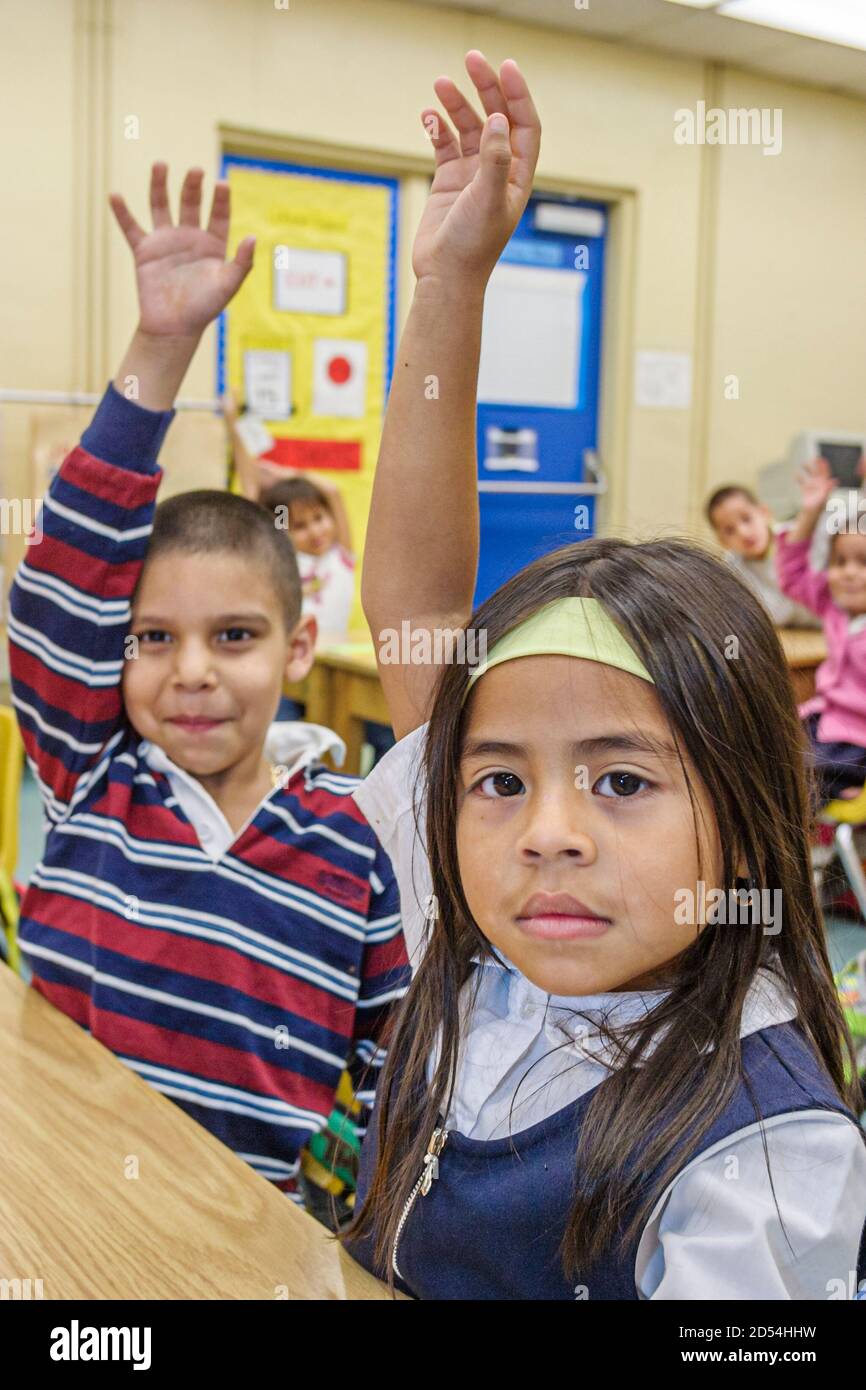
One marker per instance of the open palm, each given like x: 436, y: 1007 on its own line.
x: 184, y: 280
x: 816, y: 483
x: 483, y: 176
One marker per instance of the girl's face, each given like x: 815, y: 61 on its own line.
x: 575, y: 826
x: 312, y: 528
x: 846, y: 573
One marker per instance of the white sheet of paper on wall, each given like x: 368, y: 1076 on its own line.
x: 339, y: 377
x: 663, y: 380
x: 268, y: 383
x: 530, y: 343
x: 309, y: 282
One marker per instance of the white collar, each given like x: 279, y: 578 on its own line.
x: 289, y: 746
x: 768, y: 1001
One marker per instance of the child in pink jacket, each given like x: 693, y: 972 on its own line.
x: 835, y: 717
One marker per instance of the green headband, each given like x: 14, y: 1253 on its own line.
x: 567, y: 627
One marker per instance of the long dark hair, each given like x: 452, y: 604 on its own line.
x: 721, y: 679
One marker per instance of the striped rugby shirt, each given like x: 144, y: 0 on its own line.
x: 241, y: 987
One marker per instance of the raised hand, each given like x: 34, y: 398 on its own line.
x: 816, y: 482
x: 184, y: 280
x: 484, y: 172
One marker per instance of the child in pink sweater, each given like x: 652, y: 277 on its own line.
x: 835, y: 717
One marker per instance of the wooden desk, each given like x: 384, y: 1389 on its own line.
x: 196, y: 1223
x: 355, y: 695
x: 804, y: 650
x: 342, y: 692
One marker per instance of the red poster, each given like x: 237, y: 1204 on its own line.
x: 344, y: 456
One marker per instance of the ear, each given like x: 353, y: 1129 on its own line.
x: 301, y: 650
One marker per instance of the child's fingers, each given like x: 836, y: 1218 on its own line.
x: 441, y: 136
x: 220, y: 211
x: 190, y: 199
x: 463, y: 114
x: 525, y: 124
x: 125, y: 221
x: 486, y: 83
x: 159, y: 209
x: 495, y: 162
x: 243, y: 261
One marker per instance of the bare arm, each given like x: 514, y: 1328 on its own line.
x: 247, y: 466
x: 338, y: 508
x: 421, y: 552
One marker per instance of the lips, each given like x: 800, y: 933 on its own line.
x: 195, y: 723
x: 559, y: 916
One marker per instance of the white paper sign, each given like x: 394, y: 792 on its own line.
x: 254, y: 437
x: 309, y: 282
x: 663, y: 380
x: 530, y: 340
x: 268, y: 383
x: 339, y: 377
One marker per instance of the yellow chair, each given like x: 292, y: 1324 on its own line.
x: 846, y: 815
x: 11, y: 767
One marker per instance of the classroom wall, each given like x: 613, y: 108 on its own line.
x: 789, y: 286
x: 750, y: 263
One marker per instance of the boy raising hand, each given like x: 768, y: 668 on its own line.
x: 216, y: 911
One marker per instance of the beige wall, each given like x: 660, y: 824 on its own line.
x: 789, y: 302
x: 751, y: 263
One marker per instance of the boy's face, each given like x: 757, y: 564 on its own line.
x: 205, y: 676
x: 742, y: 526
x: 846, y: 572
x: 312, y: 528
x: 571, y: 786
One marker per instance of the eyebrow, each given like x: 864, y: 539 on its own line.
x: 221, y: 620
x: 604, y: 743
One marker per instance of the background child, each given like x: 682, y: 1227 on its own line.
x: 216, y: 911
x: 744, y: 530
x: 310, y: 509
x: 578, y: 1063
x: 835, y: 718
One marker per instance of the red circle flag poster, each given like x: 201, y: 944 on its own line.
x: 339, y: 377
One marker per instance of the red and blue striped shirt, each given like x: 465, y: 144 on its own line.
x: 242, y: 988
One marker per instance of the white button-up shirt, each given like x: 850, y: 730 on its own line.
x: 289, y: 746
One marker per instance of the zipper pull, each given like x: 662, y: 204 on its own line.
x: 431, y: 1160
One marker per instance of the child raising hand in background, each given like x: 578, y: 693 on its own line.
x: 309, y: 508
x: 835, y: 717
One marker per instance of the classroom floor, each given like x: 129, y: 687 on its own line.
x: 846, y: 938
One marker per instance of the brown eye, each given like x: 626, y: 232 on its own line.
x: 501, y: 784
x: 621, y: 784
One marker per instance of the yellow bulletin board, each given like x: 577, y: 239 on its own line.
x: 310, y: 336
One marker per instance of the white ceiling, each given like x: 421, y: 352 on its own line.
x: 689, y: 33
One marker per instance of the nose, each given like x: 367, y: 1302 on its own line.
x: 557, y: 826
x: 193, y: 665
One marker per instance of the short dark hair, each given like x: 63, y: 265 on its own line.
x: 722, y: 494
x: 207, y: 521
x: 290, y: 490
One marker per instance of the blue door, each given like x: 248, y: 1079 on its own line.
x: 538, y: 387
